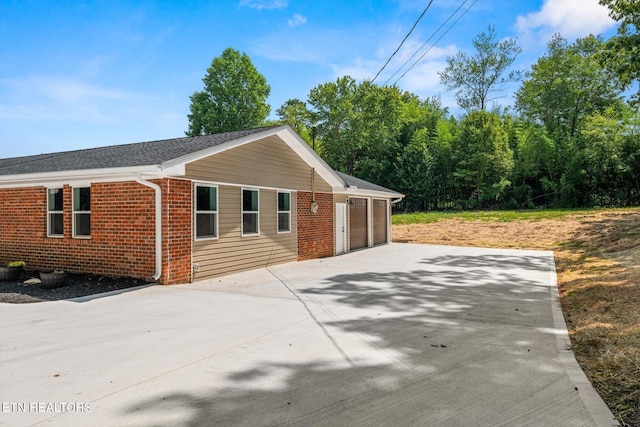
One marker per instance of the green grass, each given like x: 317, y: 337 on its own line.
x: 494, y: 216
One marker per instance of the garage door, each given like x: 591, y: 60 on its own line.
x: 358, y: 223
x: 379, y: 222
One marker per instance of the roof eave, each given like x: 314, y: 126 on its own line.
x: 359, y: 192
x: 84, y: 176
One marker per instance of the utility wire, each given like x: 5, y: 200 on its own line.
x: 445, y: 33
x: 424, y: 44
x: 403, y: 40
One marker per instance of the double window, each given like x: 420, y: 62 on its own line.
x: 82, y: 212
x: 284, y: 212
x: 250, y: 212
x: 206, y: 212
x: 55, y: 221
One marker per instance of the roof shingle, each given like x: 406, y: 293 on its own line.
x: 116, y: 156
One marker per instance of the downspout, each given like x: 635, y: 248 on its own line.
x: 158, y: 192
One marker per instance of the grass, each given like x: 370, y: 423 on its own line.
x: 495, y: 216
x: 597, y: 254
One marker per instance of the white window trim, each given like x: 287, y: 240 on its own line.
x: 196, y: 212
x: 56, y: 236
x: 242, y: 212
x: 278, y: 212
x: 74, y: 212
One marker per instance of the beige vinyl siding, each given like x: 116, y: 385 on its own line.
x: 268, y: 162
x: 232, y: 253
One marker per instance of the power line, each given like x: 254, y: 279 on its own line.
x: 423, y: 44
x: 403, y: 40
x: 445, y: 33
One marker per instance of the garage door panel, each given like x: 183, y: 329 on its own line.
x: 358, y: 223
x: 379, y: 222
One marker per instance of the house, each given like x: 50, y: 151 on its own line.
x: 186, y: 209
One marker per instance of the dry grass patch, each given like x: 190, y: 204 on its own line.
x: 597, y: 256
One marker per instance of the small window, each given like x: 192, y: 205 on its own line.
x: 250, y: 212
x: 82, y: 212
x: 284, y: 212
x: 206, y: 212
x: 55, y: 221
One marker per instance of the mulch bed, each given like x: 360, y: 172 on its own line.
x: 76, y: 285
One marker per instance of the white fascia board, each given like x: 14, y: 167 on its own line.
x: 372, y: 193
x: 80, y: 177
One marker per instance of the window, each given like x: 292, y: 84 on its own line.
x: 284, y: 212
x: 55, y: 224
x: 250, y: 212
x: 206, y: 212
x: 82, y: 212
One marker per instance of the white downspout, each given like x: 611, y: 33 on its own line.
x: 158, y: 191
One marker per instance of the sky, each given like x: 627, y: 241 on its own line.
x: 78, y: 74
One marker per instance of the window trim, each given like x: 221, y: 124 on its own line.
x: 278, y: 211
x: 50, y: 212
x: 196, y: 212
x: 242, y: 212
x: 74, y: 212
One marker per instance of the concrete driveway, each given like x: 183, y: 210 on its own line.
x: 396, y: 335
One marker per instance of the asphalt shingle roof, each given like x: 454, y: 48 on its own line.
x: 352, y: 181
x: 114, y: 156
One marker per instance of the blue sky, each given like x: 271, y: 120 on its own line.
x: 82, y: 74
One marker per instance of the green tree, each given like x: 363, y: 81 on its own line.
x: 621, y: 53
x: 567, y: 84
x: 358, y: 125
x: 484, y: 159
x: 476, y: 78
x: 414, y: 172
x: 295, y: 113
x: 234, y: 96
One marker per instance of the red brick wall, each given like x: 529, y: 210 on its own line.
x: 177, y: 234
x: 315, y: 231
x: 122, y: 231
x: 122, y: 239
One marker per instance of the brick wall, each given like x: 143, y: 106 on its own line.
x: 122, y: 231
x: 315, y: 231
x: 122, y: 239
x: 177, y: 234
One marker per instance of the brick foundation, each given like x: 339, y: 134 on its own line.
x: 315, y: 231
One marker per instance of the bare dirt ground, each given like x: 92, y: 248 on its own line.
x: 597, y: 258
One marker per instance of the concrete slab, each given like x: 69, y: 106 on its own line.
x: 399, y: 334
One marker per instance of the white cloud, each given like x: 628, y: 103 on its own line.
x: 297, y: 20
x: 570, y: 18
x: 265, y: 4
x: 62, y: 99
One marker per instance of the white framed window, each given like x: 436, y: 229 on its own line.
x: 250, y: 212
x: 82, y: 212
x: 55, y: 217
x: 284, y: 212
x: 206, y: 212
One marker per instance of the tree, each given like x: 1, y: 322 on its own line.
x: 483, y: 157
x: 566, y: 85
x: 475, y: 78
x: 358, y: 125
x: 234, y: 96
x: 295, y: 113
x: 621, y: 53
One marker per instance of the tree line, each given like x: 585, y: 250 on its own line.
x: 570, y: 140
